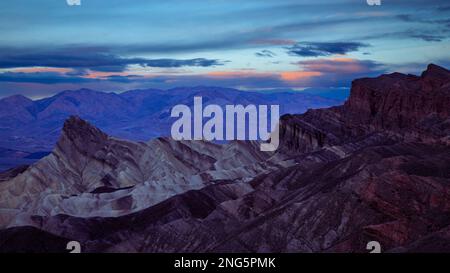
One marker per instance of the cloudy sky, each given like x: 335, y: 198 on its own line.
x: 115, y: 45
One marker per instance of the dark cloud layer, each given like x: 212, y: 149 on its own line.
x: 43, y: 77
x: 416, y: 19
x: 408, y: 34
x: 427, y: 37
x: 80, y: 58
x: 316, y: 49
x: 265, y: 53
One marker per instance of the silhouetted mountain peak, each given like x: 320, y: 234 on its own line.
x: 436, y: 76
x: 18, y: 100
x: 81, y: 90
x: 436, y: 70
x: 83, y: 93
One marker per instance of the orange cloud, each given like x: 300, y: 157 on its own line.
x: 240, y: 74
x: 99, y: 75
x: 343, y: 60
x: 298, y: 75
x: 285, y: 76
x: 41, y: 69
x: 335, y: 65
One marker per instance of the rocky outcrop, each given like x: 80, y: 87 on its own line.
x: 408, y: 107
x: 403, y: 103
x: 91, y: 174
x: 11, y: 173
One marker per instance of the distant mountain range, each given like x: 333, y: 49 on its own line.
x: 28, y: 126
x: 374, y: 169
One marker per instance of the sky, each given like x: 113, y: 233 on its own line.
x: 47, y: 46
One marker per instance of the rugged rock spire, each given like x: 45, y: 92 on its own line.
x: 436, y: 75
x: 82, y: 136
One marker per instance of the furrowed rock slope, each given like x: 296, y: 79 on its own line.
x: 91, y: 174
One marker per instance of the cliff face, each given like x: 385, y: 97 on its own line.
x: 413, y: 108
x: 376, y: 168
x: 398, y: 102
